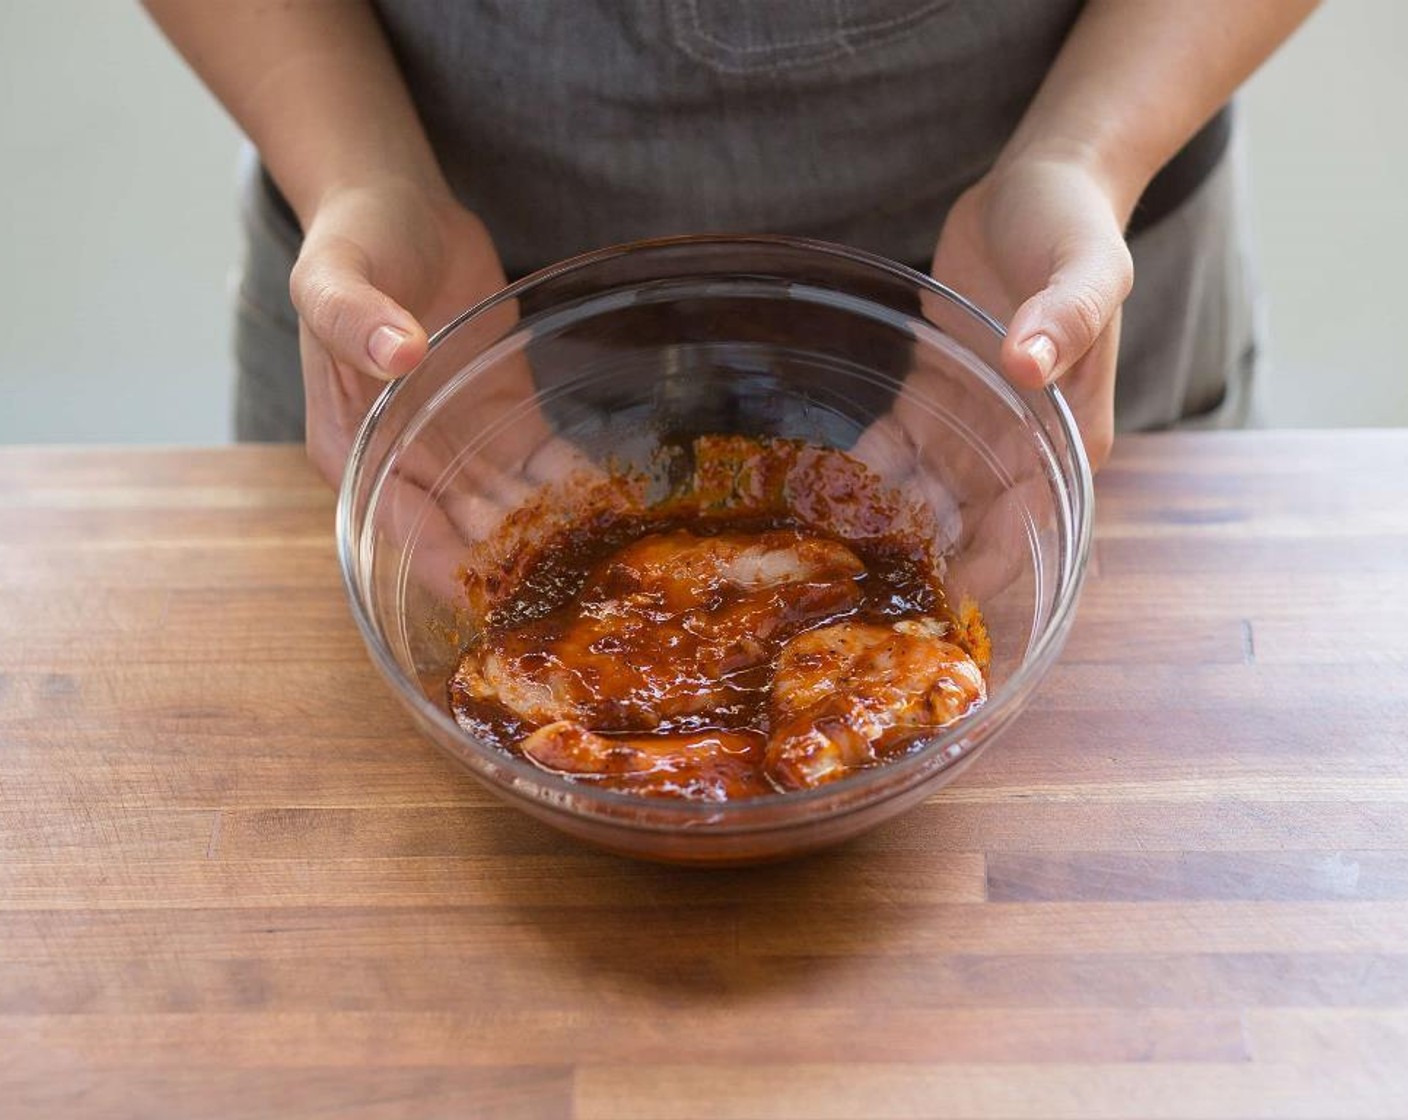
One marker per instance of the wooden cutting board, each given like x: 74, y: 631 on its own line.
x: 1177, y: 888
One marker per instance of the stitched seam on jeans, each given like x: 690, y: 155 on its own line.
x: 731, y: 59
x: 723, y: 60
x: 843, y: 31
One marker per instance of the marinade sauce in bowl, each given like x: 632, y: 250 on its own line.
x: 792, y: 464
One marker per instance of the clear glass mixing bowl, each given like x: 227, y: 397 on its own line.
x: 606, y: 357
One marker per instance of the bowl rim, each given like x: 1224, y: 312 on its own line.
x: 852, y: 794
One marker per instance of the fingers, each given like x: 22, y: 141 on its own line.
x: 406, y: 512
x: 334, y: 403
x: 358, y: 325
x: 1089, y: 389
x: 1056, y: 328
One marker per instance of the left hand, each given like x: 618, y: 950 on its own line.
x: 1038, y: 243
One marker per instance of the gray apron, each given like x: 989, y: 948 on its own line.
x: 568, y: 126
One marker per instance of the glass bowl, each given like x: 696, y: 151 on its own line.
x: 608, y: 357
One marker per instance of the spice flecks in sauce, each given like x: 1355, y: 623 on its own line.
x: 662, y: 649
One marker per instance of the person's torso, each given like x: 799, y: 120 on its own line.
x: 568, y: 126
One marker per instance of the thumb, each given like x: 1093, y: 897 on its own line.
x: 1055, y: 328
x: 360, y: 326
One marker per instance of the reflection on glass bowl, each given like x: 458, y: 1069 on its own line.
x: 607, y: 358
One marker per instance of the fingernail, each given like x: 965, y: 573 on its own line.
x: 382, y: 346
x: 1043, y: 352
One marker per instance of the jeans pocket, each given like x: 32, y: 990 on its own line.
x: 750, y: 38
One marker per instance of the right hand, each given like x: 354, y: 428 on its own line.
x: 382, y: 266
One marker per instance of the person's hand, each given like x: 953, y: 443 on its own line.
x: 1038, y: 244
x: 382, y: 267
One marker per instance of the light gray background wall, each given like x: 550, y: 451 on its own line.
x: 117, y: 231
x: 1328, y: 156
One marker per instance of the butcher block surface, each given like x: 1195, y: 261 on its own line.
x: 235, y: 881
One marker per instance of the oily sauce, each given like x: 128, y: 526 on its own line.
x: 639, y: 643
x: 747, y: 616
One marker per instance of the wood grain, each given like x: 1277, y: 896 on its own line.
x: 1177, y: 888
